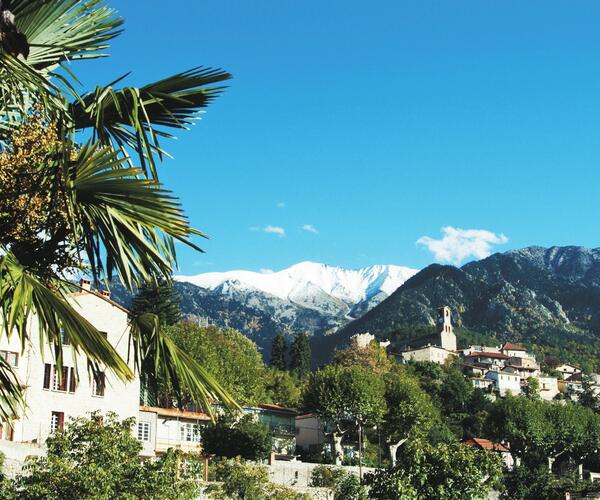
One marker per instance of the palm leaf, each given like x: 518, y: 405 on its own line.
x: 156, y: 354
x: 127, y: 223
x: 23, y: 297
x: 62, y: 30
x: 136, y: 117
x: 11, y: 393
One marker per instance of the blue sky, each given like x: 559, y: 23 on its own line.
x: 377, y: 124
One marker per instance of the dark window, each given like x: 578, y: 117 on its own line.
x: 64, y: 338
x: 99, y: 384
x: 47, y: 375
x: 72, y: 380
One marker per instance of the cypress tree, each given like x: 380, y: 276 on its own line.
x: 278, y: 349
x: 300, y: 355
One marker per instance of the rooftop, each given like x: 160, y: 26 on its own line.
x: 509, y: 346
x: 486, y: 444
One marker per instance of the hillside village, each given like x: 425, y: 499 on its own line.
x: 53, y: 398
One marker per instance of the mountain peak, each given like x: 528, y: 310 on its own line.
x: 348, y: 285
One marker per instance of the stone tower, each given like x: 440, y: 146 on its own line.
x: 445, y: 329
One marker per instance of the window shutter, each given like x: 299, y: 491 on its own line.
x: 47, y: 375
x: 72, y: 380
x: 64, y: 379
x: 61, y: 420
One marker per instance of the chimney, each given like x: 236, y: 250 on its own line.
x: 105, y: 293
x: 85, y: 284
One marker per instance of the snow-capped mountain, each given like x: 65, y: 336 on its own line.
x: 311, y: 284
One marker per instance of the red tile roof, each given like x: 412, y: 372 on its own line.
x: 485, y: 444
x: 266, y: 406
x: 498, y: 355
x: 509, y: 346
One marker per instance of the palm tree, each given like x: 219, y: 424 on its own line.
x: 80, y: 192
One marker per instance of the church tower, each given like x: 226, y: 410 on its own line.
x: 446, y: 331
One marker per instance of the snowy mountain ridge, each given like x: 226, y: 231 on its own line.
x: 309, y: 279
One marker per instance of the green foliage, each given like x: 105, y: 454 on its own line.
x: 538, y: 430
x: 284, y: 388
x: 234, y: 437
x: 410, y: 412
x: 346, y: 395
x: 350, y: 488
x: 278, y: 352
x: 244, y: 481
x: 229, y: 356
x: 300, y: 355
x: 372, y: 357
x: 160, y: 299
x: 324, y: 476
x: 96, y: 458
x: 443, y: 472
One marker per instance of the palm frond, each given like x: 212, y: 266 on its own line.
x: 23, y: 298
x: 156, y: 354
x: 136, y: 117
x: 126, y: 222
x: 62, y: 30
x: 11, y: 393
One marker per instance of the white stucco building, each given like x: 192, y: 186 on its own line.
x: 505, y: 382
x: 49, y: 400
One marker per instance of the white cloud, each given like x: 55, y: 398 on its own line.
x: 459, y: 244
x: 275, y: 230
x: 310, y: 228
x: 281, y: 204
x: 267, y: 271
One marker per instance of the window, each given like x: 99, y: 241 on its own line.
x: 12, y: 358
x: 143, y: 431
x: 57, y: 421
x: 190, y: 432
x: 63, y: 382
x: 60, y: 379
x: 64, y: 338
x: 99, y: 384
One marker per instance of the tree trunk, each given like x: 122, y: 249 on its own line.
x: 338, y: 451
x: 394, y: 450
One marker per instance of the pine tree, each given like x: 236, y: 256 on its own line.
x: 278, y: 349
x: 161, y: 299
x: 300, y: 355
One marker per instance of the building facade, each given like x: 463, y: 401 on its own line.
x: 50, y: 400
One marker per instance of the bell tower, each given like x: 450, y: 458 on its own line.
x: 445, y: 329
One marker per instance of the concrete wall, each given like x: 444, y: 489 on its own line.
x: 298, y: 474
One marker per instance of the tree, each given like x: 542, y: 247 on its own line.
x: 278, y: 350
x: 410, y: 411
x: 229, y: 356
x: 284, y: 388
x: 99, y: 458
x: 159, y: 299
x: 372, y: 357
x: 234, y: 437
x: 442, y: 472
x: 589, y: 397
x: 300, y: 355
x: 81, y: 191
x: 345, y: 398
x: 532, y: 388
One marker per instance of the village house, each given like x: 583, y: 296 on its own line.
x: 50, y: 400
x: 505, y: 382
x: 548, y: 387
x: 159, y: 429
x: 508, y: 461
x: 567, y: 370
